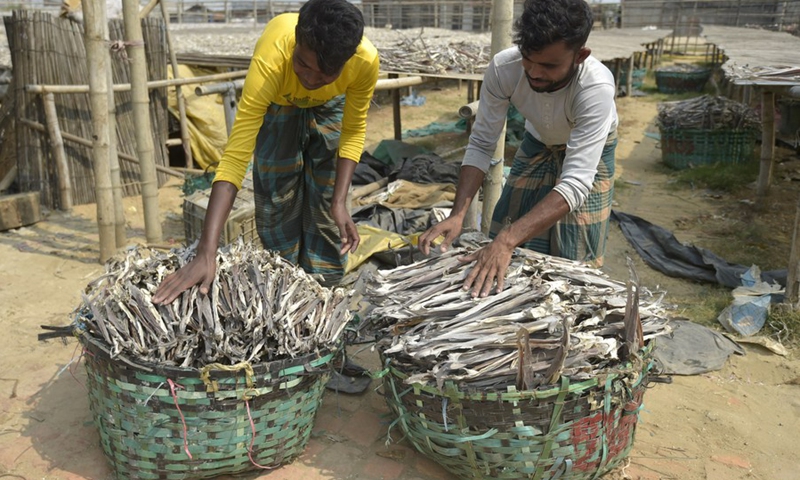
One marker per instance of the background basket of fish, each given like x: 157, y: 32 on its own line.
x: 210, y: 384
x: 542, y: 380
x: 680, y: 78
x: 707, y: 130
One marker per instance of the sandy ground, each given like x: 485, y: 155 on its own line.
x: 738, y: 423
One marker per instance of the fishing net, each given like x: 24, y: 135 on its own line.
x: 210, y: 384
x: 544, y: 380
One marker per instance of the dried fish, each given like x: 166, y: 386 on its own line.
x: 707, y: 113
x: 260, y: 308
x: 556, y: 317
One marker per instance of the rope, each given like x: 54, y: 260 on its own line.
x: 213, y: 385
x: 253, y: 439
x: 172, y: 387
x: 120, y: 47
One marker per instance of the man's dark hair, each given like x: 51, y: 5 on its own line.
x: 545, y: 22
x: 332, y: 29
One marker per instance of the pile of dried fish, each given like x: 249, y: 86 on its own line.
x: 555, y: 317
x: 707, y: 113
x: 682, y: 68
x: 415, y: 55
x: 260, y: 308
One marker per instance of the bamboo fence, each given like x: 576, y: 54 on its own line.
x: 50, y: 50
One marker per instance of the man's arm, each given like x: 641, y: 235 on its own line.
x: 341, y: 215
x: 202, y: 269
x: 470, y: 180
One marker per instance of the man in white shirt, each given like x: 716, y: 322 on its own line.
x: 557, y: 198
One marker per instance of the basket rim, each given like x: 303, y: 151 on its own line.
x: 512, y: 394
x: 311, y: 362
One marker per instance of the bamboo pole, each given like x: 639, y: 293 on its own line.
x: 173, y: 60
x: 792, y: 294
x: 767, y: 142
x: 145, y: 11
x: 57, y: 146
x: 88, y: 143
x: 116, y: 176
x: 141, y: 119
x: 629, y: 77
x: 94, y: 17
x: 502, y: 18
x: 124, y: 87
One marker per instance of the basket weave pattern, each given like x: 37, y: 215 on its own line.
x: 144, y: 435
x: 680, y: 82
x: 571, y: 431
x: 683, y: 148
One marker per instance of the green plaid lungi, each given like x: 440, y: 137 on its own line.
x: 580, y: 235
x: 293, y: 178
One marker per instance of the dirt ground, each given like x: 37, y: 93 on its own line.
x: 738, y: 423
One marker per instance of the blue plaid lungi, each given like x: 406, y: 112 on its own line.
x: 580, y: 235
x: 293, y: 179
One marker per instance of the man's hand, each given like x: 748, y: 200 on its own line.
x: 200, y: 270
x: 450, y: 228
x: 347, y: 229
x: 491, y: 263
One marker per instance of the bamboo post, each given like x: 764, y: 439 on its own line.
x: 792, y: 293
x: 502, y: 18
x: 148, y: 8
x: 398, y: 129
x: 57, y: 146
x: 173, y: 60
x: 95, y: 25
x: 629, y: 77
x: 116, y: 176
x: 767, y: 142
x: 141, y: 119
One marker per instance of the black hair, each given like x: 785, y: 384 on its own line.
x: 545, y: 22
x: 332, y: 29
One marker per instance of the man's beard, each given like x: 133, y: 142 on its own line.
x: 554, y: 85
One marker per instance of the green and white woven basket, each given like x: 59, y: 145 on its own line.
x: 159, y: 422
x: 568, y: 431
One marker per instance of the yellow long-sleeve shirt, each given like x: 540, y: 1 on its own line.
x: 271, y: 79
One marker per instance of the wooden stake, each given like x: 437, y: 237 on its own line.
x: 94, y: 17
x: 173, y: 60
x: 502, y: 19
x: 141, y: 119
x: 792, y: 293
x: 767, y: 142
x: 116, y: 176
x: 57, y: 146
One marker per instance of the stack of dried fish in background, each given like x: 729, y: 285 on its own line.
x: 260, y: 308
x: 707, y: 113
x: 555, y: 317
x: 417, y: 55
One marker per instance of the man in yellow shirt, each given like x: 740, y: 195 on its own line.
x: 302, y: 115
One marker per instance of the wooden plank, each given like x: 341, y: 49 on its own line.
x: 19, y: 210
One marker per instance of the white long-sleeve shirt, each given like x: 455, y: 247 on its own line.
x: 580, y: 115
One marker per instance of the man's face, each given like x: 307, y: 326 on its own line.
x: 552, y: 67
x: 304, y: 62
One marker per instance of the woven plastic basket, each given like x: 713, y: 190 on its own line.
x: 680, y: 82
x: 571, y: 431
x: 637, y: 77
x: 683, y: 148
x: 159, y: 422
